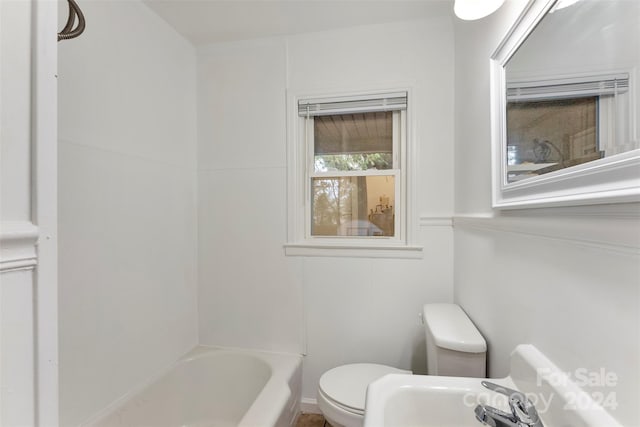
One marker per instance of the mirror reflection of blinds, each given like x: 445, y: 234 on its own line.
x: 360, y: 104
x: 577, y: 87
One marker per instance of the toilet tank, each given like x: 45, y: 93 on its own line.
x: 455, y: 347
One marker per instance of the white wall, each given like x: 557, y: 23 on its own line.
x: 336, y: 310
x: 15, y: 71
x: 249, y: 295
x: 565, y: 280
x: 127, y: 205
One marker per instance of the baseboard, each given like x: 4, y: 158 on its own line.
x: 309, y: 406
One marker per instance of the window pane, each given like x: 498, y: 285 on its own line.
x: 544, y: 136
x: 353, y: 206
x: 352, y: 142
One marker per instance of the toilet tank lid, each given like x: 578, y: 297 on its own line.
x: 452, y: 329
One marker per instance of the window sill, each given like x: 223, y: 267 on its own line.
x: 353, y: 250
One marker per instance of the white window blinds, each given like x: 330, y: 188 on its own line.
x: 369, y: 103
x: 575, y: 87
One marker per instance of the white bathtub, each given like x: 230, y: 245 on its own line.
x: 215, y: 388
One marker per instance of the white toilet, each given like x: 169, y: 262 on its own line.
x: 454, y: 348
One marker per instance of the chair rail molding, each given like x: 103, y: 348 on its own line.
x: 18, y: 245
x: 617, y: 233
x: 435, y: 221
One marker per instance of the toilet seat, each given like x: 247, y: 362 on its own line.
x: 339, y: 405
x: 342, y: 391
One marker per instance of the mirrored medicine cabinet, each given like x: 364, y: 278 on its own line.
x: 565, y: 105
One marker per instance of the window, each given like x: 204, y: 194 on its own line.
x: 350, y: 176
x: 355, y: 173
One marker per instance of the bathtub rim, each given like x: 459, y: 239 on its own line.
x: 279, y: 378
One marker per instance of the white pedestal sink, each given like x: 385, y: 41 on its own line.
x: 425, y: 401
x: 419, y: 400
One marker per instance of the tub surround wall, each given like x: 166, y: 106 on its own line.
x: 248, y: 295
x: 127, y: 204
x: 335, y: 310
x: 563, y: 279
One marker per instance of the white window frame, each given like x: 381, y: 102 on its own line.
x: 301, y: 171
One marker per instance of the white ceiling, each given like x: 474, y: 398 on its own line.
x: 211, y: 21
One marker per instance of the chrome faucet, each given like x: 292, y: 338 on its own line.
x: 523, y: 413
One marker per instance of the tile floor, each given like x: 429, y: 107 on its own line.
x: 311, y: 420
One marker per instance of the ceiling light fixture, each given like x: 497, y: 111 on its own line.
x: 470, y: 10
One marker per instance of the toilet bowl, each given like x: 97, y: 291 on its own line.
x: 342, y: 391
x: 454, y: 348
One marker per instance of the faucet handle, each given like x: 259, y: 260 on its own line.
x: 530, y: 415
x: 523, y: 410
x: 511, y: 393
